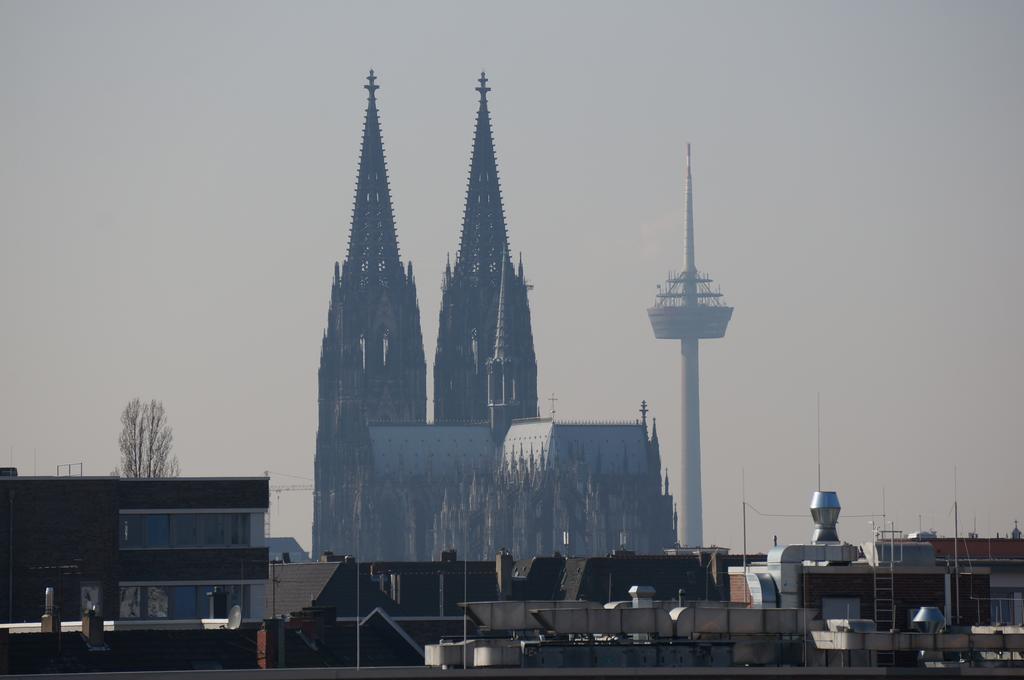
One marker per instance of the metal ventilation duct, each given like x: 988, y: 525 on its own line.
x: 825, y: 510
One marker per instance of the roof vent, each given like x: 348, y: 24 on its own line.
x: 825, y: 513
x: 643, y: 596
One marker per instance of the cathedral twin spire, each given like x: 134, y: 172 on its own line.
x: 484, y: 241
x: 373, y: 244
x: 485, y: 315
x: 484, y: 312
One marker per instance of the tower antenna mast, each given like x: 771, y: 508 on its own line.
x: 687, y: 308
x: 819, y: 441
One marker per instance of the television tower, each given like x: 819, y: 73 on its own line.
x: 687, y: 309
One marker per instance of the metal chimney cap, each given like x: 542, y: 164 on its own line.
x: 825, y: 499
x: 642, y: 591
x: 929, y: 620
x: 825, y: 511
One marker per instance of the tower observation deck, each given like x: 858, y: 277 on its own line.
x: 688, y: 309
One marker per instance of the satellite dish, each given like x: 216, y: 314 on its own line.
x: 234, y: 618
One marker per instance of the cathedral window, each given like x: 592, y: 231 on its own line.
x: 384, y: 347
x: 476, y: 355
x: 362, y: 349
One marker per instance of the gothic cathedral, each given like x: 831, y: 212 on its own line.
x: 488, y: 473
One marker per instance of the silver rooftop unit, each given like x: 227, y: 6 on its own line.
x: 825, y: 510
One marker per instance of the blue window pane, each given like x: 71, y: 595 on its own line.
x: 184, y: 602
x: 239, y: 523
x: 158, y: 531
x: 212, y: 529
x: 130, y: 532
x: 183, y: 530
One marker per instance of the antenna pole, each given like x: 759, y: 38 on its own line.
x: 465, y: 591
x: 358, y: 527
x: 819, y: 441
x: 743, y: 493
x: 956, y: 542
x: 883, y: 509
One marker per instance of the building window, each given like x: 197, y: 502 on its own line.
x: 185, y: 530
x: 168, y: 601
x: 184, y: 603
x: 131, y: 602
x: 1007, y: 607
x: 92, y: 598
x: 239, y: 534
x: 475, y: 347
x: 131, y: 532
x: 158, y: 531
x: 211, y: 529
x: 157, y: 605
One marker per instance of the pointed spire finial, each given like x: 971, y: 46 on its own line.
x: 372, y: 85
x: 483, y: 89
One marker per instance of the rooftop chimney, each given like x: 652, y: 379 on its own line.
x: 643, y: 597
x: 92, y: 629
x: 51, y: 614
x: 270, y: 644
x: 218, y: 600
x: 503, y: 567
x: 825, y: 513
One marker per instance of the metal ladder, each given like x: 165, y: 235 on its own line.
x: 885, y: 592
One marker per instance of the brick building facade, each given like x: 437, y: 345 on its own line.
x: 131, y: 548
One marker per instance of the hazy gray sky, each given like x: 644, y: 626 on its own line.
x: 176, y: 181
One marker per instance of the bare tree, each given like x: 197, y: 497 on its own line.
x: 145, y: 441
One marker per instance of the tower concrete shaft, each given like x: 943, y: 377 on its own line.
x: 687, y: 309
x: 691, y: 528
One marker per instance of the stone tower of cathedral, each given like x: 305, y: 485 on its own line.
x: 469, y: 302
x: 372, y: 366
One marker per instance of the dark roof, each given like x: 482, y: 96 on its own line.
x: 538, y: 578
x: 294, y: 586
x: 447, y: 567
x: 134, y: 650
x: 380, y: 644
x: 315, y: 637
x: 980, y: 548
x: 328, y: 584
x: 434, y: 588
x: 603, y: 579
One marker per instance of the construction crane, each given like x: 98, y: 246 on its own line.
x: 278, y: 490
